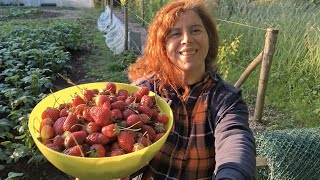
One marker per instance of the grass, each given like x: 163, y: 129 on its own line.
x: 294, y: 82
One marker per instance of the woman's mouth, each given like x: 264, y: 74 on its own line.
x: 188, y: 53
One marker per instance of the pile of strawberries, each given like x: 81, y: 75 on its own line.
x: 103, y: 123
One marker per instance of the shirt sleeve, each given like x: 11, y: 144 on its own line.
x: 235, y: 144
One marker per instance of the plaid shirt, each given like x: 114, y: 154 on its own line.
x: 190, y: 149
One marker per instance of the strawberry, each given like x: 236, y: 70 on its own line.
x: 127, y: 112
x: 89, y: 94
x: 123, y: 93
x: 115, y: 145
x: 101, y: 99
x: 144, y: 141
x: 148, y: 131
x: 159, y: 127
x: 79, y: 110
x: 145, y: 119
x: 147, y: 101
x: 162, y: 118
x: 116, y: 114
x: 129, y: 100
x: 137, y: 147
x: 46, y: 121
x: 92, y: 127
x: 64, y: 112
x: 86, y: 114
x: 77, y: 150
x: 113, y: 98
x: 58, y: 140
x: 141, y: 92
x: 53, y: 147
x: 121, y: 98
x: 158, y: 136
x: 111, y: 130
x: 111, y: 87
x: 52, y: 113
x: 117, y: 152
x: 58, y: 125
x: 77, y: 100
x: 70, y: 124
x: 126, y: 140
x: 47, y: 132
x: 75, y: 138
x: 97, y: 138
x: 97, y: 150
x: 144, y: 110
x: 134, y: 121
x: 101, y: 115
x: 118, y: 105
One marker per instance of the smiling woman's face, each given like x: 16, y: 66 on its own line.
x: 187, y: 44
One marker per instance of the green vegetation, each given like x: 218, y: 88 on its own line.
x: 294, y: 83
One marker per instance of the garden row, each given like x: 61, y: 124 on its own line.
x: 30, y: 59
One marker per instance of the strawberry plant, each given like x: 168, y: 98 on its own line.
x: 30, y: 59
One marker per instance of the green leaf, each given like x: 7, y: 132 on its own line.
x: 13, y: 175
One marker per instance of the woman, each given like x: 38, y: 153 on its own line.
x: 210, y: 138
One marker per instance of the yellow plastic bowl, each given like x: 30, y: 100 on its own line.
x: 95, y: 168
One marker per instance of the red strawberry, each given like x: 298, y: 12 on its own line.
x: 101, y: 115
x: 70, y: 124
x: 121, y: 98
x: 97, y: 138
x: 134, y: 121
x: 92, y: 127
x: 147, y: 101
x: 117, y: 152
x: 79, y: 110
x: 111, y: 87
x: 77, y: 150
x: 148, y: 132
x: 77, y: 100
x: 129, y: 100
x: 64, y: 112
x: 137, y: 147
x: 86, y: 114
x: 159, y: 127
x: 113, y: 98
x: 59, y: 141
x: 127, y: 112
x: 101, y: 99
x: 115, y: 145
x: 111, y: 130
x: 52, y: 113
x: 53, y: 147
x: 158, y: 136
x: 145, y: 110
x: 116, y: 114
x: 89, y: 94
x: 162, y: 118
x: 58, y: 125
x: 47, y: 132
x: 118, y: 105
x: 145, y: 119
x: 141, y: 92
x: 97, y: 150
x: 126, y: 140
x: 75, y: 138
x: 145, y: 141
x: 123, y: 92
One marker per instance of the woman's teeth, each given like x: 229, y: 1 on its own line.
x: 186, y: 53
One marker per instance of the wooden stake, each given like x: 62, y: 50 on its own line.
x: 126, y: 26
x: 268, y: 52
x: 252, y: 66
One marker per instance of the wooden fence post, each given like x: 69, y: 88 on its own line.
x: 126, y: 25
x: 111, y: 11
x: 268, y: 52
x: 142, y: 12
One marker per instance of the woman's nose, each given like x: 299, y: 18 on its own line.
x: 186, y: 38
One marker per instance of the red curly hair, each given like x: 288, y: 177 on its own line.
x: 155, y: 60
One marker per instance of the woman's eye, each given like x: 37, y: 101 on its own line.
x: 196, y: 30
x: 175, y: 34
